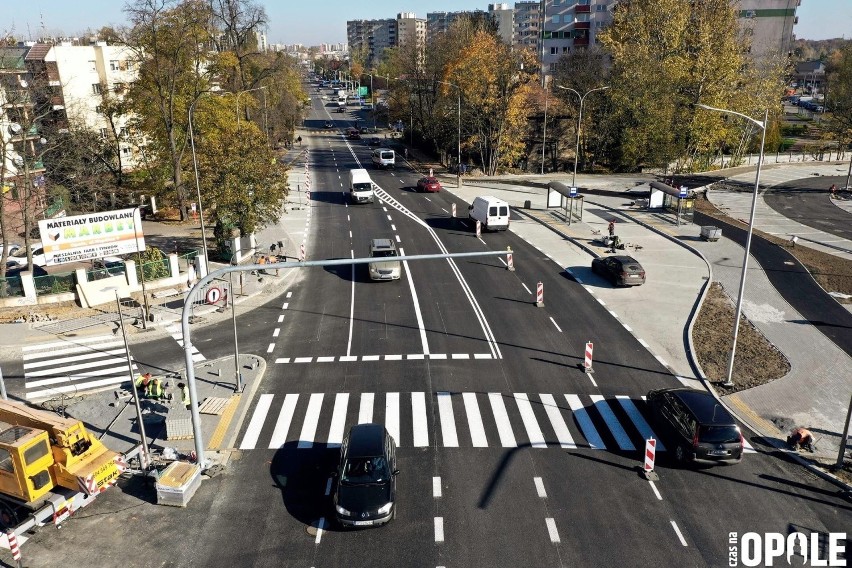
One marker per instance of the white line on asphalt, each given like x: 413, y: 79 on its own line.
x: 460, y: 356
x: 419, y: 356
x: 325, y: 359
x: 281, y: 360
x: 555, y: 324
x: 351, y: 307
x: 501, y: 418
x: 309, y: 426
x: 656, y: 491
x: 350, y: 235
x: 389, y: 217
x: 282, y: 425
x: 416, y: 302
x: 591, y: 378
x: 615, y: 428
x: 445, y: 211
x: 385, y: 209
x: 448, y: 423
x: 627, y: 327
x: 270, y: 348
x: 285, y: 305
x: 280, y: 318
x: 418, y: 418
x: 679, y: 535
x: 320, y: 527
x: 427, y: 199
x: 551, y: 530
x: 328, y: 487
x: 581, y: 416
x: 439, y: 529
x: 642, y: 342
x: 556, y: 420
x: 256, y: 423
x: 483, y: 242
x: 392, y: 415
x: 338, y: 420
x: 393, y: 227
x: 436, y: 487
x: 437, y: 355
x: 393, y: 357
x: 638, y: 420
x: 303, y: 359
x: 371, y: 357
x: 661, y: 360
x: 500, y: 258
x: 539, y: 487
x: 276, y: 331
x: 365, y: 412
x: 397, y: 238
x: 482, y: 356
x: 528, y: 417
x: 613, y: 314
x: 289, y: 295
x: 527, y: 289
x: 474, y: 420
x: 601, y: 302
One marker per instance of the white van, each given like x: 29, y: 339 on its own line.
x: 360, y: 187
x: 493, y: 213
x: 384, y: 158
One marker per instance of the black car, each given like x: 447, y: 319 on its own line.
x: 375, y: 142
x: 620, y: 270
x: 366, y: 477
x: 699, y: 428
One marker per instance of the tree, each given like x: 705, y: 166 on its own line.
x: 839, y: 97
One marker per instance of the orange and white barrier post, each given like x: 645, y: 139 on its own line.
x: 539, y: 295
x: 430, y: 173
x: 454, y: 210
x: 478, y: 229
x: 650, y: 458
x: 301, y: 253
x: 510, y: 263
x: 587, y: 360
x: 14, y: 547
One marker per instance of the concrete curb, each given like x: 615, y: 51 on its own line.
x: 245, y: 402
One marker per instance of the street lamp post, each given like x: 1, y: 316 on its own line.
x: 141, y: 269
x: 579, y: 122
x: 197, y: 183
x: 544, y: 135
x: 372, y: 98
x: 458, y: 139
x: 762, y: 125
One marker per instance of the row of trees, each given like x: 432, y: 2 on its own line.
x: 658, y: 60
x: 193, y: 57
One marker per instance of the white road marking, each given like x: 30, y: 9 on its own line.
x: 437, y: 355
x: 643, y: 343
x: 289, y: 294
x: 303, y: 359
x: 501, y: 418
x: 365, y: 411
x: 621, y: 437
x: 482, y: 356
x: 439, y: 529
x: 325, y: 359
x: 656, y: 491
x: 638, y: 420
x: 393, y: 227
x: 256, y: 423
x: 527, y: 289
x: 281, y: 360
x: 601, y: 302
x: 348, y: 358
x: 280, y: 318
x: 351, y: 307
x: 474, y: 420
x: 309, y: 427
x: 371, y: 357
x: 328, y: 487
x: 613, y: 314
x: 679, y: 534
x: 555, y: 324
x: 282, y: 425
x: 500, y: 258
x: 591, y: 378
x: 585, y: 423
x: 627, y: 327
x: 393, y: 357
x: 539, y: 487
x: 285, y: 305
x: 415, y: 356
x: 436, y: 487
x: 418, y: 419
x: 448, y: 424
x: 460, y: 356
x: 530, y: 423
x: 398, y: 239
x: 661, y: 360
x: 389, y: 217
x: 551, y: 530
x: 556, y: 420
x: 392, y: 415
x: 276, y: 331
x: 320, y: 527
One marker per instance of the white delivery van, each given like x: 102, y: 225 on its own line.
x: 493, y: 213
x: 360, y: 187
x: 384, y: 158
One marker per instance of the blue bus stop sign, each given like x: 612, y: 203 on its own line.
x: 683, y: 191
x: 572, y: 192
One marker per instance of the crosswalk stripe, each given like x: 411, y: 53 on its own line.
x: 76, y: 387
x: 420, y: 425
x: 365, y: 412
x: 448, y: 423
x: 309, y: 426
x: 621, y: 437
x: 392, y: 416
x: 748, y: 448
x: 641, y: 425
x: 474, y: 420
x: 338, y: 420
x: 118, y: 373
x: 282, y: 425
x: 77, y: 340
x: 254, y: 427
x: 563, y: 435
x: 528, y: 417
x: 55, y: 355
x: 592, y: 437
x: 68, y: 369
x: 501, y: 417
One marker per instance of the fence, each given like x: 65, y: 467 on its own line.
x: 789, y: 157
x: 11, y: 286
x: 54, y: 283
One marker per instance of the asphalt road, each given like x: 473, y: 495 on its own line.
x: 806, y: 201
x: 509, y: 454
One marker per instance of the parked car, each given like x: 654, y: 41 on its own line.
x: 353, y: 134
x: 385, y: 269
x: 620, y: 270
x: 365, y: 494
x: 375, y: 141
x: 428, y: 184
x: 696, y: 426
x: 341, y: 109
x: 19, y: 257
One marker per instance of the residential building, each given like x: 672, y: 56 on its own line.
x: 411, y: 29
x: 503, y: 17
x: 439, y: 22
x: 370, y: 38
x: 571, y: 24
x: 769, y: 26
x: 527, y: 25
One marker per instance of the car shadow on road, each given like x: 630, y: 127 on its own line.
x: 303, y: 475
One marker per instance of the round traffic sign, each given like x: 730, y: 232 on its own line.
x: 213, y: 295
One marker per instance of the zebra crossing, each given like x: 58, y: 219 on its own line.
x: 70, y: 367
x: 176, y: 332
x: 453, y: 420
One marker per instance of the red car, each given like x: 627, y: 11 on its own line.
x: 353, y: 134
x: 429, y: 184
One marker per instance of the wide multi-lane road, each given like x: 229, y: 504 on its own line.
x: 510, y: 455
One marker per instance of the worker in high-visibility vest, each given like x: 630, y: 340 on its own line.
x: 143, y: 383
x: 155, y: 389
x: 184, y: 395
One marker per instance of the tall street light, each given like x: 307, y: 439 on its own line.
x: 579, y: 121
x: 372, y: 98
x: 458, y: 146
x: 244, y: 92
x: 762, y: 125
x: 197, y: 183
x: 141, y: 268
x: 544, y: 135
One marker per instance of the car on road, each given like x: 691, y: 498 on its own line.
x: 696, y: 427
x: 353, y: 134
x: 375, y: 141
x: 428, y: 184
x: 367, y: 106
x: 621, y: 270
x: 341, y: 109
x: 365, y: 494
x: 385, y: 269
x: 329, y: 124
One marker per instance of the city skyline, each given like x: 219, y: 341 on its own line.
x: 818, y: 19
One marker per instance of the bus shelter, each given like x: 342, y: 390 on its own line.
x: 566, y: 198
x: 674, y: 200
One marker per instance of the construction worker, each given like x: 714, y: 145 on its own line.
x: 611, y: 227
x: 184, y: 395
x: 155, y: 389
x: 143, y: 383
x: 801, y: 438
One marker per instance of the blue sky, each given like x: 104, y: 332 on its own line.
x: 324, y: 21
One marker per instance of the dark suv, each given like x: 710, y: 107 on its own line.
x: 366, y: 477
x: 700, y: 429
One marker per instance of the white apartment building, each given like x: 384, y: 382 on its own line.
x: 568, y: 24
x: 503, y: 17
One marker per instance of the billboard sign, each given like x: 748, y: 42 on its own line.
x: 93, y: 235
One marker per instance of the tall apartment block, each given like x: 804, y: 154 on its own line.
x: 503, y: 17
x: 570, y: 24
x: 527, y: 24
x: 769, y: 25
x: 374, y: 36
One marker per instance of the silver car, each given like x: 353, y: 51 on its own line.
x: 384, y: 269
